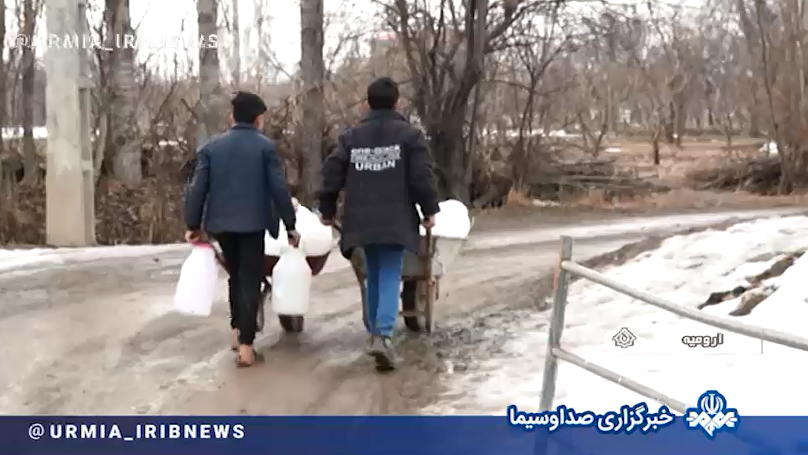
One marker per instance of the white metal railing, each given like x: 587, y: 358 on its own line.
x: 554, y: 351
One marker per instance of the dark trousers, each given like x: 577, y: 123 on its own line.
x: 244, y: 257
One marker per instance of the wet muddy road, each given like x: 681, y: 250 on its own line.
x: 97, y: 336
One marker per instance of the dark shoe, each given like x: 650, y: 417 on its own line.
x: 369, y: 345
x: 381, y: 349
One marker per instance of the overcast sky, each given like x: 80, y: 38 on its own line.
x: 175, y: 20
x: 158, y: 17
x: 169, y: 17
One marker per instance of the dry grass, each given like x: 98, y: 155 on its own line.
x: 676, y: 164
x: 517, y: 199
x: 690, y: 199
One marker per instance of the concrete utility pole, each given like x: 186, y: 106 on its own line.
x: 70, y: 186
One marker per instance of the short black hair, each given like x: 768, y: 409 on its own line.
x: 382, y: 94
x: 247, y: 107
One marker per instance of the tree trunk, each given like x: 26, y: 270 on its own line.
x: 670, y: 123
x: 29, y: 153
x: 752, y: 45
x: 209, y: 73
x: 655, y: 145
x: 755, y: 131
x: 447, y: 145
x: 681, y: 119
x: 467, y: 156
x: 519, y: 157
x: 125, y: 153
x: 3, y: 95
x: 236, y: 64
x: 312, y: 115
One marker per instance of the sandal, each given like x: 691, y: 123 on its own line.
x: 234, y: 340
x: 240, y: 363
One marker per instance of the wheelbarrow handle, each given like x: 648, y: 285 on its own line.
x: 334, y: 223
x: 338, y: 227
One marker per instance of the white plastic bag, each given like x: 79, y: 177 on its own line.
x: 196, y: 287
x: 291, y: 284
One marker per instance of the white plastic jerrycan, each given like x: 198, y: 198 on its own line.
x: 196, y: 287
x: 291, y: 284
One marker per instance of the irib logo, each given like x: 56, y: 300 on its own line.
x: 712, y: 415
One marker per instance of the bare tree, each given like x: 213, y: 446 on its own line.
x: 311, y: 110
x: 721, y: 72
x: 3, y: 96
x: 752, y: 39
x: 123, y: 149
x: 535, y: 52
x: 209, y: 72
x: 30, y: 157
x: 444, y: 65
x: 236, y: 45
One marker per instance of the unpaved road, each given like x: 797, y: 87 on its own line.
x: 80, y: 336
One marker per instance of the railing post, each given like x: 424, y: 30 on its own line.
x: 560, y: 285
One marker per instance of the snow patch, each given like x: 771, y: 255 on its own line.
x: 21, y: 258
x: 759, y: 378
x: 769, y: 148
x: 39, y: 132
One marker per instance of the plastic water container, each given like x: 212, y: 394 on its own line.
x: 196, y: 287
x: 291, y: 284
x: 317, y: 240
x: 452, y: 221
x: 272, y: 247
x: 276, y: 247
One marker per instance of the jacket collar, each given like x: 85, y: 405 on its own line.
x: 382, y: 114
x: 244, y: 126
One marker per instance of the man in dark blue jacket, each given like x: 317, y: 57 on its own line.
x: 385, y: 168
x: 237, y: 193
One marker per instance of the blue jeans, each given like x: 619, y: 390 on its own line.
x: 383, y: 264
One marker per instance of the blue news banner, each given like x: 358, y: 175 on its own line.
x: 712, y: 427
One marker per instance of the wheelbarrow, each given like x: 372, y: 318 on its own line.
x: 421, y: 274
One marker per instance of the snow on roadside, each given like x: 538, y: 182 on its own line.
x: 22, y: 258
x: 684, y: 269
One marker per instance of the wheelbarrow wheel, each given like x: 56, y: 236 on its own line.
x: 266, y: 295
x: 291, y: 324
x: 429, y: 306
x: 409, y: 302
x: 363, y: 293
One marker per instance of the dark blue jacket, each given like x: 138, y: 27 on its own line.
x: 385, y: 168
x: 239, y: 185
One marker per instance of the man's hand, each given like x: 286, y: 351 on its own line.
x: 429, y: 222
x: 294, y: 238
x: 193, y: 235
